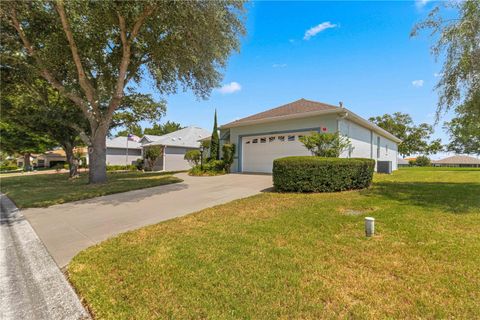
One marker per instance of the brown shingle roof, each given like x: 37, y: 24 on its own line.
x: 459, y: 160
x: 296, y: 107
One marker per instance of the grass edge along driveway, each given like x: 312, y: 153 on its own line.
x: 300, y: 256
x: 43, y: 190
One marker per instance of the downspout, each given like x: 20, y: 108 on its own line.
x: 164, y: 157
x: 371, y: 144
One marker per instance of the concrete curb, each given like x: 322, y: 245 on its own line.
x: 31, y: 284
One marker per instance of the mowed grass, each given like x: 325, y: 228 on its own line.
x: 301, y: 256
x: 42, y: 190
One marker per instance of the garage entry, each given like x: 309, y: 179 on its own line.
x: 258, y: 152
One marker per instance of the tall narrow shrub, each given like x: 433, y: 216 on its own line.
x: 215, y: 141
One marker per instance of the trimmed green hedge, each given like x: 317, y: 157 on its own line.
x: 316, y: 174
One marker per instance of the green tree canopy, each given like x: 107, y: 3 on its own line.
x: 96, y: 53
x: 161, y: 129
x: 415, y: 138
x: 464, y: 129
x: 458, y: 43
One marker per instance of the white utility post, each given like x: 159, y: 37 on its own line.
x: 369, y: 226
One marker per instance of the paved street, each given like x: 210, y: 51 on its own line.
x: 31, y: 285
x: 69, y: 228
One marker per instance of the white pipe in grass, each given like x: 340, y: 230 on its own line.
x: 369, y: 226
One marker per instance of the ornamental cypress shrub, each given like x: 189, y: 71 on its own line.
x: 317, y: 174
x: 215, y: 141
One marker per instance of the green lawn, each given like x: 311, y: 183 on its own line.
x: 305, y: 256
x: 42, y: 190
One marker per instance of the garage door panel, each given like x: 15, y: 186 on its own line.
x: 258, y: 152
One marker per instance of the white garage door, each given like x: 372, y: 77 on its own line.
x: 258, y: 152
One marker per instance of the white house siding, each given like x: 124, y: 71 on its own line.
x: 388, y: 150
x: 294, y: 125
x: 360, y: 139
x: 118, y: 156
x: 174, y: 159
x: 364, y: 143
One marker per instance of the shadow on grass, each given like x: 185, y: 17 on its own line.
x: 453, y: 197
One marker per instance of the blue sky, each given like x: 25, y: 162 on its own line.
x: 357, y: 52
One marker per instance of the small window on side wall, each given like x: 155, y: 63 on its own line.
x: 263, y: 140
x: 291, y: 138
x: 281, y: 138
x: 248, y: 142
x: 255, y: 141
x: 271, y: 139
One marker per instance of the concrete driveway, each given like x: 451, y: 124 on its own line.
x: 69, y: 228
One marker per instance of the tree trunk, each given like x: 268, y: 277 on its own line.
x: 97, y: 156
x: 26, y: 162
x: 72, y: 162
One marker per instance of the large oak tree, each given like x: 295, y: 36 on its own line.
x: 416, y: 139
x: 96, y: 53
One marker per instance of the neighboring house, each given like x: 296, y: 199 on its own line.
x: 149, y: 138
x: 402, y: 163
x: 274, y: 133
x: 175, y: 145
x: 49, y: 158
x: 457, y: 161
x: 117, y: 151
x: 33, y: 160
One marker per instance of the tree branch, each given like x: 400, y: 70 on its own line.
x: 124, y: 63
x: 82, y: 78
x: 43, y: 71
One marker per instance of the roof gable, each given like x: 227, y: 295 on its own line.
x: 187, y: 137
x: 296, y: 107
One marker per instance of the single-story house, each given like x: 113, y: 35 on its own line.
x: 402, y: 162
x: 457, y: 161
x: 272, y: 134
x: 149, y: 138
x: 49, y: 158
x: 175, y: 145
x: 117, y: 153
x: 33, y: 160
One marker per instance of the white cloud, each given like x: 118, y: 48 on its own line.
x: 279, y: 65
x: 436, y: 75
x: 231, y: 87
x: 417, y: 83
x: 421, y: 3
x: 317, y: 29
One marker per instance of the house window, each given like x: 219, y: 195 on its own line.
x: 255, y: 141
x: 271, y: 139
x: 291, y: 138
x: 263, y: 140
x: 378, y: 147
x: 281, y: 138
x: 248, y: 142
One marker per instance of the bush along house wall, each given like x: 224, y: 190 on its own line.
x: 316, y: 174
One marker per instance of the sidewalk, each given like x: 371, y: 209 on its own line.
x: 31, y: 285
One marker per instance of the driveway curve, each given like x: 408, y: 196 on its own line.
x: 67, y: 229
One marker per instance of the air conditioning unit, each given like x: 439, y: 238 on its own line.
x: 384, y: 167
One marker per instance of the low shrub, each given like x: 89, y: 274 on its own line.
x: 130, y: 167
x: 422, y: 161
x: 8, y: 167
x: 211, y: 168
x: 317, y: 174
